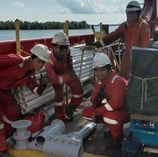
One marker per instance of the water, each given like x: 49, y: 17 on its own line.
x: 30, y: 34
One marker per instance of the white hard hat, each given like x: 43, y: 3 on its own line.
x: 60, y: 38
x: 133, y: 6
x: 42, y: 52
x: 101, y: 60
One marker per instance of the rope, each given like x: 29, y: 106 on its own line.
x: 144, y: 87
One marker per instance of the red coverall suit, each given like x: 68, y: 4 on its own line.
x: 112, y: 107
x: 14, y: 73
x: 63, y: 69
x: 135, y: 35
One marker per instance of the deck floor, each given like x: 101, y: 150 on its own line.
x: 95, y: 143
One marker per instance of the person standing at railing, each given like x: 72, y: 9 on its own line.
x: 134, y: 32
x: 18, y: 71
x: 60, y: 73
x: 108, y: 102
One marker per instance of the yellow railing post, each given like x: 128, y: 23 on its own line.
x: 98, y: 34
x: 17, y: 27
x: 66, y: 27
x: 101, y: 31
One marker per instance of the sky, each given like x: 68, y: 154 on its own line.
x: 91, y: 11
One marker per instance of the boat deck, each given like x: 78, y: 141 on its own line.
x: 95, y: 142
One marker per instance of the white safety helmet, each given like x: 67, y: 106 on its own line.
x: 133, y: 6
x: 100, y: 60
x: 42, y: 52
x: 60, y: 38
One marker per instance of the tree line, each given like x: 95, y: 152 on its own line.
x: 25, y: 25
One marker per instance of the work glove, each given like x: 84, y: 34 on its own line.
x: 99, y: 97
x: 98, y: 44
x: 95, y: 44
x: 70, y: 111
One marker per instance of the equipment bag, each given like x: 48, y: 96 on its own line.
x: 142, y: 94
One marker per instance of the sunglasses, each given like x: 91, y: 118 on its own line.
x: 63, y: 47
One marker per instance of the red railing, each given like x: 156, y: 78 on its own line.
x: 7, y: 47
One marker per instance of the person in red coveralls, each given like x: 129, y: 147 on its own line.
x: 17, y: 71
x: 60, y: 73
x: 134, y: 32
x: 108, y: 100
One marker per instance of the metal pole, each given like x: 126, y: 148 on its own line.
x: 66, y: 31
x: 81, y: 62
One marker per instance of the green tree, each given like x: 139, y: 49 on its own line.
x: 4, y: 25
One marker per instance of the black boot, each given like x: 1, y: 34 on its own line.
x: 116, y: 142
x: 70, y: 111
x: 113, y: 147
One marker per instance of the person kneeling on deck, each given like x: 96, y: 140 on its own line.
x: 62, y: 72
x: 17, y: 71
x: 108, y: 100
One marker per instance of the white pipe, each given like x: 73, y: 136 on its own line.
x: 63, y: 146
x: 29, y: 95
x: 89, y: 128
x: 43, y: 99
x: 69, y: 145
x: 56, y: 127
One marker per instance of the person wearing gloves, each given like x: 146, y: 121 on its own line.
x: 60, y: 73
x: 133, y: 32
x: 108, y: 101
x: 17, y: 71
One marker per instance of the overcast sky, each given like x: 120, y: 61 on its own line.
x: 92, y: 11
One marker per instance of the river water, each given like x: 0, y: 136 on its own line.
x: 30, y: 34
x: 25, y: 34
